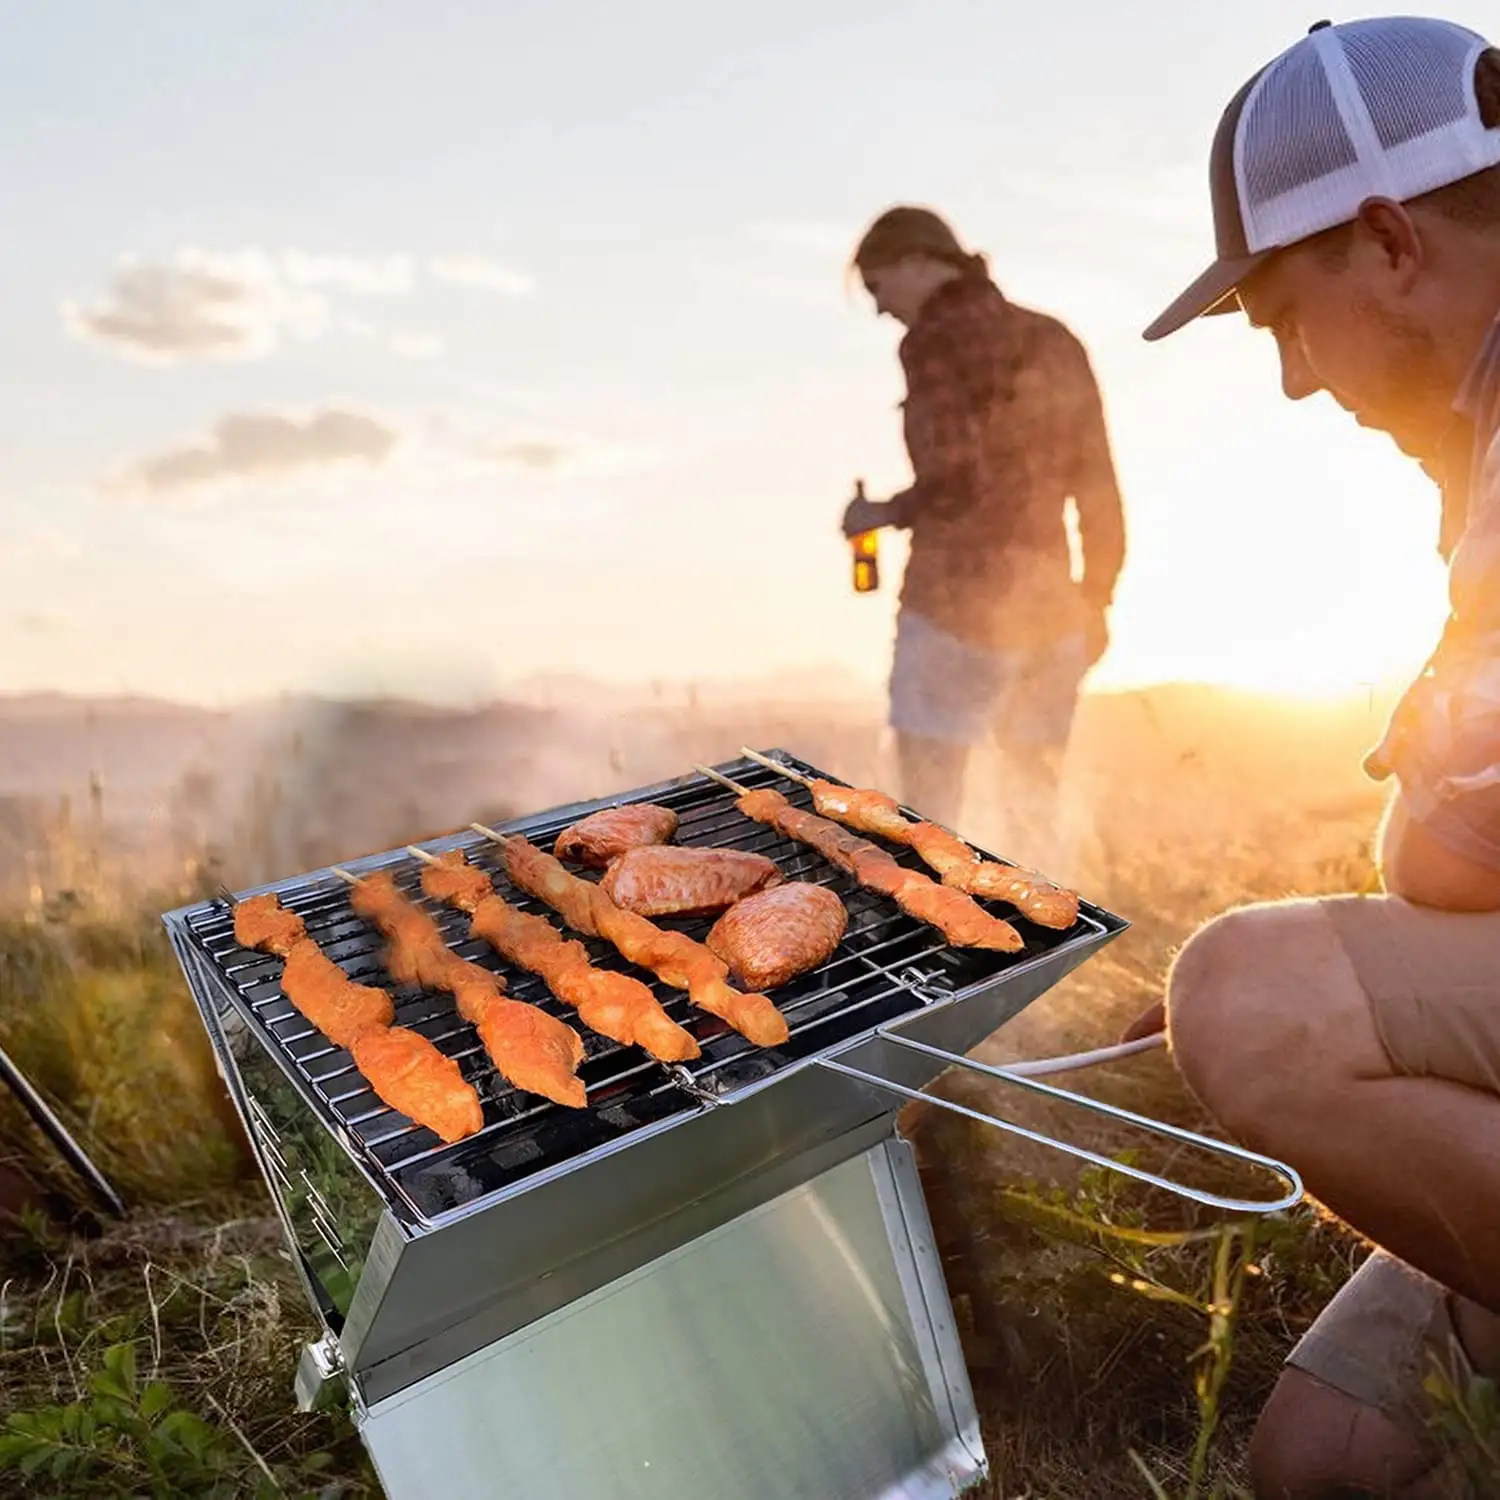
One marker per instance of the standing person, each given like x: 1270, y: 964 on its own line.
x: 1356, y: 200
x: 1003, y: 425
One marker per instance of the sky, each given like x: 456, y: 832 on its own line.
x: 372, y: 347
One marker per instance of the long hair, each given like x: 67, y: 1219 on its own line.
x: 907, y: 230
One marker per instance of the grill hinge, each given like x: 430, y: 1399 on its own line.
x: 690, y: 1085
x: 320, y: 1375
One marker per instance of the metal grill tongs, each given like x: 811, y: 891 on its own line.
x: 1289, y: 1199
x: 1025, y: 1075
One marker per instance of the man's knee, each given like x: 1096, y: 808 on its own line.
x: 1247, y: 999
x: 1313, y: 1441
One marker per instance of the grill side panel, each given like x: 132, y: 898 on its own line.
x: 328, y: 1207
x: 805, y: 1349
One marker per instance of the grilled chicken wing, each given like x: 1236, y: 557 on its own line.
x: 411, y: 1075
x: 263, y: 922
x: 614, y: 1005
x: 773, y: 936
x: 672, y: 881
x: 602, y: 836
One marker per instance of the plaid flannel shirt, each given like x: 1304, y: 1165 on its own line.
x: 1003, y: 423
x: 1443, y: 742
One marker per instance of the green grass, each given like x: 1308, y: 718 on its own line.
x: 1119, y: 1345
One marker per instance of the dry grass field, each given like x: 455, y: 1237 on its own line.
x: 1119, y: 1345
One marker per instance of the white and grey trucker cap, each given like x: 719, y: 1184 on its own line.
x: 1382, y: 108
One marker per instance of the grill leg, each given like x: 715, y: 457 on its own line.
x: 53, y: 1129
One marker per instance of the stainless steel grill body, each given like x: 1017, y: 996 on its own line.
x: 434, y: 1264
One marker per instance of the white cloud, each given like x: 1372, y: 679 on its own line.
x: 201, y: 305
x: 363, y: 276
x: 269, y: 447
x: 207, y: 305
x: 478, y: 271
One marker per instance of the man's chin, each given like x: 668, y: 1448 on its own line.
x: 1409, y: 443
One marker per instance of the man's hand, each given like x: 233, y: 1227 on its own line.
x: 866, y: 515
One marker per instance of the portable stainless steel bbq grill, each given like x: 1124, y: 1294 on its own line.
x: 717, y: 1280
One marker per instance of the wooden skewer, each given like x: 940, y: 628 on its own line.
x: 423, y: 855
x: 734, y: 786
x: 492, y: 834
x: 774, y: 765
x: 345, y: 876
x: 227, y: 896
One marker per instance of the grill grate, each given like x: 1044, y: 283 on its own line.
x: 887, y: 966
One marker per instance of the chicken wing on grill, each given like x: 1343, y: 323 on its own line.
x: 602, y: 836
x: 684, y: 882
x: 773, y: 936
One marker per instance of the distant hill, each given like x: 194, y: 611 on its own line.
x: 137, y: 786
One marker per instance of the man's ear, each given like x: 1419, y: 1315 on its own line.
x: 1390, y: 231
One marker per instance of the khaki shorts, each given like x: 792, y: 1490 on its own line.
x: 1379, y: 1336
x: 1433, y: 981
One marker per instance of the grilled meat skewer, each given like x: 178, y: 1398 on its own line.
x: 960, y: 919
x: 403, y: 1068
x: 672, y: 956
x: 532, y: 1050
x: 614, y: 1005
x: 868, y: 811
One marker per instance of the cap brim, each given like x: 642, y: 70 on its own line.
x: 1213, y: 292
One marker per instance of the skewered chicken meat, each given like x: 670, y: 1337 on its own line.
x: 411, y: 1075
x: 338, y: 1007
x: 685, y: 882
x: 532, y: 1050
x: 263, y: 922
x: 602, y: 836
x: 614, y: 1005
x: 961, y: 920
x: 961, y: 868
x: 403, y: 1068
x: 672, y: 956
x: 773, y: 936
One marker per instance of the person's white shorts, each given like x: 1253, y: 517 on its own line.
x: 943, y: 688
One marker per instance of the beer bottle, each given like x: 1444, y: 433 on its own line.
x: 866, y: 548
